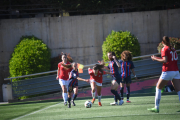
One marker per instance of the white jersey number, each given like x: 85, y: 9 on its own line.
x: 174, y: 55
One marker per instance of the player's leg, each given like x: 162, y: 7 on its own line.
x: 99, y: 87
x: 114, y: 87
x: 64, y: 90
x: 161, y: 83
x: 69, y: 99
x: 70, y: 89
x: 176, y: 83
x: 93, y: 92
x: 128, y: 82
x: 122, y: 89
x: 74, y: 95
x: 128, y: 92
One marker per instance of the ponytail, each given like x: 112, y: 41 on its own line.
x: 99, y: 66
x: 166, y: 41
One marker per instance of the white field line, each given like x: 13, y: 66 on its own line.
x: 37, y: 111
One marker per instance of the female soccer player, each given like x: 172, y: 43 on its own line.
x: 113, y: 67
x: 170, y: 71
x: 126, y: 67
x: 73, y: 83
x: 96, y: 80
x: 62, y: 76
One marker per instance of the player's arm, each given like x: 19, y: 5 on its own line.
x: 163, y: 59
x: 81, y: 79
x: 105, y: 67
x: 105, y: 72
x: 134, y: 74
x: 58, y: 72
x: 117, y: 62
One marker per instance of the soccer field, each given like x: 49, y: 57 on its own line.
x: 55, y: 109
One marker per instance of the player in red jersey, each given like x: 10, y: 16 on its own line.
x: 96, y: 80
x: 170, y: 71
x: 62, y: 76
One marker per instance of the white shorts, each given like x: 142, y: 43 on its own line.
x: 98, y: 84
x: 64, y: 82
x: 169, y: 75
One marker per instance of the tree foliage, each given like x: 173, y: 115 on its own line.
x: 118, y: 41
x: 30, y: 56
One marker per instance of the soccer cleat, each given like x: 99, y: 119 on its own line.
x: 122, y: 98
x: 99, y: 103
x: 153, y: 110
x: 72, y: 102
x: 93, y: 100
x: 114, y: 103
x: 128, y: 101
x: 65, y: 103
x: 121, y: 102
x: 69, y: 105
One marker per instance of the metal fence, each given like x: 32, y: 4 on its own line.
x: 46, y: 84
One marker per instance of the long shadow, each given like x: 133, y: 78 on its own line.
x: 32, y: 102
x: 82, y: 98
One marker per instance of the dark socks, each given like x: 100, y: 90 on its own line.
x: 69, y: 100
x: 128, y: 92
x: 74, y: 96
x: 116, y: 94
x: 122, y: 91
x: 115, y: 99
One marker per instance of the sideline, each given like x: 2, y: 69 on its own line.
x: 37, y: 111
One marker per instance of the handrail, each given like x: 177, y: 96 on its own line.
x: 143, y: 56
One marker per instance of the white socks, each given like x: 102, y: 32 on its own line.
x: 93, y: 94
x: 178, y: 95
x: 65, y: 96
x: 157, y: 98
x: 99, y: 98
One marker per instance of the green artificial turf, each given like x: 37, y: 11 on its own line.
x: 55, y: 109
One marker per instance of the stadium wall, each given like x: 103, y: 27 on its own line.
x: 83, y: 36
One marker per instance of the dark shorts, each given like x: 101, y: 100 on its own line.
x: 118, y: 79
x: 72, y: 84
x: 126, y: 80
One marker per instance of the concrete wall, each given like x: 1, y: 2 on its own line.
x: 83, y: 36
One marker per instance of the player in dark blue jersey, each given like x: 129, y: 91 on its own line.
x: 73, y: 83
x: 126, y: 67
x: 114, y: 69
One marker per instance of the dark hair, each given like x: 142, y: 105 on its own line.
x: 126, y: 55
x: 112, y: 53
x: 166, y: 41
x: 63, y: 54
x: 99, y: 66
x: 67, y: 66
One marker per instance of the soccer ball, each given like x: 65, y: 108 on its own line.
x: 88, y: 104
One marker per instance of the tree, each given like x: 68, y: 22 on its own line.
x: 30, y: 56
x: 118, y: 41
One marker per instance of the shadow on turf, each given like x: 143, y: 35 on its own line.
x: 84, y: 98
x: 32, y: 102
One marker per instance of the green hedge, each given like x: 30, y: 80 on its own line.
x: 118, y: 41
x: 30, y: 56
